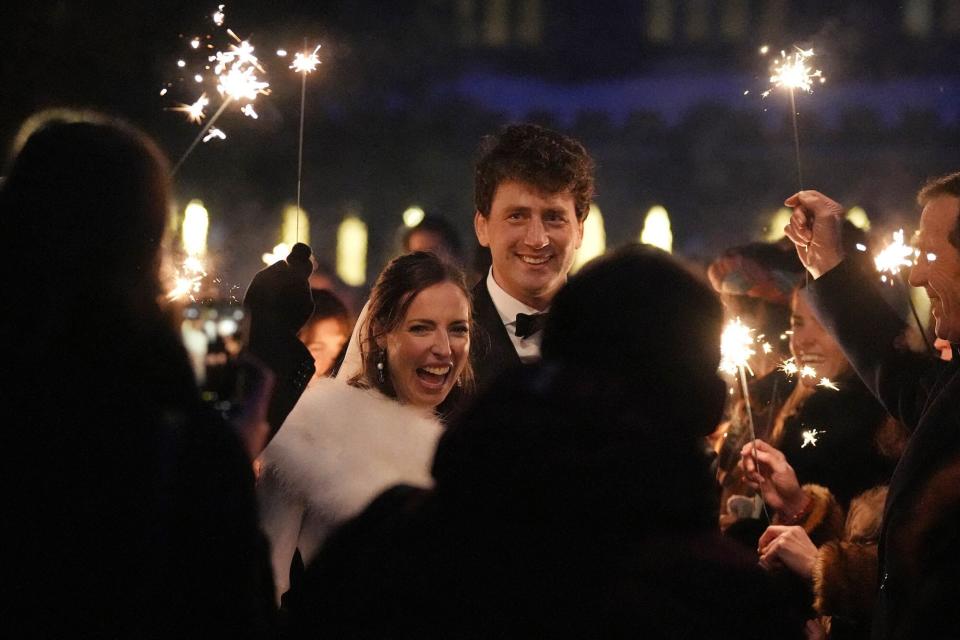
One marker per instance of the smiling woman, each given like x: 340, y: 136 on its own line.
x: 346, y: 442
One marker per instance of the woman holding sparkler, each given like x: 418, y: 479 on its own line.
x: 345, y: 442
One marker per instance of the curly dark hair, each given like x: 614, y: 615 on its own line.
x: 948, y: 185
x: 538, y: 156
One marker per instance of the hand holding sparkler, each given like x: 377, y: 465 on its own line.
x: 815, y: 228
x: 766, y: 469
x: 280, y: 303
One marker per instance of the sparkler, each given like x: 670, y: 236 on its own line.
x: 189, y: 277
x: 236, y: 71
x: 736, y: 347
x: 890, y: 263
x: 791, y: 72
x: 303, y: 63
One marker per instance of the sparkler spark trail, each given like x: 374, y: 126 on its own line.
x: 189, y: 278
x: 789, y: 367
x: 810, y: 437
x: 828, y: 384
x: 237, y: 81
x: 194, y: 111
x: 215, y: 133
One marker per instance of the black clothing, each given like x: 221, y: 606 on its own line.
x: 492, y: 351
x: 559, y: 511
x: 133, y: 502
x: 832, y: 440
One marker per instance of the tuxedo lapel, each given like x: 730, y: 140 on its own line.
x: 492, y: 349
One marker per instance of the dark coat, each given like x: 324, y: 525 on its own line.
x: 920, y: 391
x: 130, y: 504
x: 847, y: 422
x: 559, y: 511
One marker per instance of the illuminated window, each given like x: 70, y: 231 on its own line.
x: 660, y: 21
x: 656, y: 229
x: 352, y: 251
x: 697, y: 23
x: 496, y: 23
x: 295, y: 228
x: 594, y: 238
x: 917, y: 17
x: 530, y: 22
x: 772, y: 20
x: 951, y: 17
x: 467, y: 22
x: 734, y: 19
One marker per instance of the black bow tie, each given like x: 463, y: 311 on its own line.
x: 527, y: 325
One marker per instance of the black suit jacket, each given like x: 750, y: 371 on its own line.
x: 919, y: 390
x: 492, y: 351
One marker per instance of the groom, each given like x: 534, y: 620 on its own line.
x: 533, y: 188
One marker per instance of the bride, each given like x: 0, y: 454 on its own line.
x: 345, y: 442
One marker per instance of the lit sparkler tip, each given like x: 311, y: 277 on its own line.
x: 806, y: 371
x: 736, y: 347
x: 194, y: 111
x: 305, y: 63
x: 792, y: 72
x: 218, y: 16
x: 195, y: 43
x: 894, y: 257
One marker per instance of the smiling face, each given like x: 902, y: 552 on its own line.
x: 938, y: 265
x: 324, y: 339
x: 427, y: 352
x: 533, y: 237
x: 812, y: 345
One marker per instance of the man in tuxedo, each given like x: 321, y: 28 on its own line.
x: 918, y: 566
x: 533, y: 188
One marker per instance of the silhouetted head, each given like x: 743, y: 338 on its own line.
x: 86, y: 197
x: 638, y: 316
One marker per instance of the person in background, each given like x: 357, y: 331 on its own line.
x: 326, y: 331
x: 916, y: 592
x: 130, y: 502
x: 436, y: 235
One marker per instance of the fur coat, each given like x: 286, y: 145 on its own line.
x: 338, y: 449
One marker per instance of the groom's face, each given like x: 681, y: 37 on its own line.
x: 533, y: 236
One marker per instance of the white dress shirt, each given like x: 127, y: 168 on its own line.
x: 508, y: 307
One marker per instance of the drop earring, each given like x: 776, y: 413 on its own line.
x: 381, y: 358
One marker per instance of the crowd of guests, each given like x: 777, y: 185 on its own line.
x: 517, y: 453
